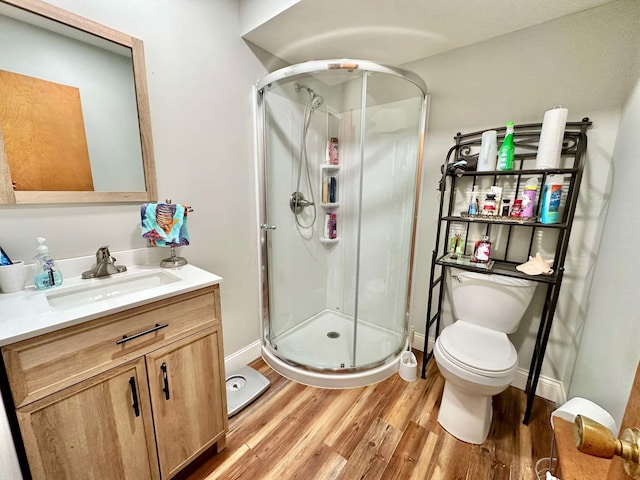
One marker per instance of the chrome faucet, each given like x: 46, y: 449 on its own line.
x: 105, y: 265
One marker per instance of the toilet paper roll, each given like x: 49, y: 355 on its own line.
x: 551, y: 137
x: 581, y: 406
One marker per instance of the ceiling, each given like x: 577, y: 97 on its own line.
x: 396, y: 32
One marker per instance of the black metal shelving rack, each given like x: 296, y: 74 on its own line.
x: 526, y: 138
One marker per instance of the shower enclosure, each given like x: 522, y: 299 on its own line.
x: 339, y: 160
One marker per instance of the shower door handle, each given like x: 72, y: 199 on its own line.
x: 265, y: 226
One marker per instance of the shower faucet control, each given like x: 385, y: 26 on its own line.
x: 297, y: 202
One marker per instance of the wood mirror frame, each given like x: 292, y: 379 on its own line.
x: 10, y: 196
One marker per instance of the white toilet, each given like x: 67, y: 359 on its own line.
x: 474, y: 354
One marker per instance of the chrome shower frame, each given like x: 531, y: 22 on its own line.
x: 331, y: 378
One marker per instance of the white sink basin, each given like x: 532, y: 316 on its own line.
x: 105, y: 288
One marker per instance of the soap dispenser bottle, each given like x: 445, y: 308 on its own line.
x: 47, y: 273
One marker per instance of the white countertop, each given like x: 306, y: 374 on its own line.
x: 32, y: 312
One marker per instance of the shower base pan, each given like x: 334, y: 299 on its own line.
x: 324, y: 344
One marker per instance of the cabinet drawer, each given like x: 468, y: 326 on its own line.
x: 43, y: 365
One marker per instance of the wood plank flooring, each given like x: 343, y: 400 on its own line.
x: 384, y: 431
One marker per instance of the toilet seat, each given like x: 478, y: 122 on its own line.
x: 478, y: 349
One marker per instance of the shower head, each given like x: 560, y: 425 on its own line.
x: 314, y: 99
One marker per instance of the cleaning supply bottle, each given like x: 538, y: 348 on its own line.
x: 507, y: 150
x: 47, y: 273
x: 551, y: 196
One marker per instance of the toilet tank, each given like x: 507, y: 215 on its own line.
x: 493, y: 301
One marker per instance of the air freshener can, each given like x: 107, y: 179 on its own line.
x: 528, y: 201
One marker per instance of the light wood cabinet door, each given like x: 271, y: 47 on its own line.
x: 186, y: 382
x: 100, y: 428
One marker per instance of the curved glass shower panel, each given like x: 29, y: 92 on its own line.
x: 310, y: 321
x: 338, y: 236
x: 390, y: 156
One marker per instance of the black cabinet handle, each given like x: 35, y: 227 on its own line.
x: 140, y: 334
x: 134, y: 395
x: 165, y: 380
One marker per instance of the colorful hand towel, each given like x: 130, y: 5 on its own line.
x: 165, y: 224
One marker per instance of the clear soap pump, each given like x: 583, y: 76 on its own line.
x: 47, y: 273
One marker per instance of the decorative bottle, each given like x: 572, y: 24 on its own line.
x: 482, y: 250
x: 507, y: 150
x: 47, y: 273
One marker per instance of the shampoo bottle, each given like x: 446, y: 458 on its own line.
x: 333, y: 151
x: 507, y: 150
x: 47, y: 273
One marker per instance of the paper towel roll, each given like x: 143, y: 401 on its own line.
x: 488, y: 151
x: 581, y: 406
x: 551, y: 136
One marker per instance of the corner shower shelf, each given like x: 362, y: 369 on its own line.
x: 329, y: 206
x: 328, y: 241
x: 330, y: 167
x: 526, y: 140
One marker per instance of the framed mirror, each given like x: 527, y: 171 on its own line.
x: 74, y: 110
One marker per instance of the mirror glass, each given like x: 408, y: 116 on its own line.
x: 74, y: 119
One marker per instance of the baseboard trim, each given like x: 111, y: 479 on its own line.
x: 548, y: 388
x: 244, y: 356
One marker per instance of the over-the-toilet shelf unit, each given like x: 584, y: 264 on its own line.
x: 510, y: 234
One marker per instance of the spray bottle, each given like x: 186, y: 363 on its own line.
x: 507, y: 150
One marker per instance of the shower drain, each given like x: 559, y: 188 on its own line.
x: 333, y: 334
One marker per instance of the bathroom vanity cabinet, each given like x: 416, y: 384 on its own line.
x: 513, y: 239
x: 136, y: 394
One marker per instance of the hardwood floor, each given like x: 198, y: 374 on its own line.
x: 383, y: 431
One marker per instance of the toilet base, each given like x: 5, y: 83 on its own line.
x: 466, y: 417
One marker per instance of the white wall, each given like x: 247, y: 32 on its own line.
x: 587, y: 62
x: 254, y: 13
x: 609, y: 352
x: 199, y: 74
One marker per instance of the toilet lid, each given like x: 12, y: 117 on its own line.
x: 478, y: 349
